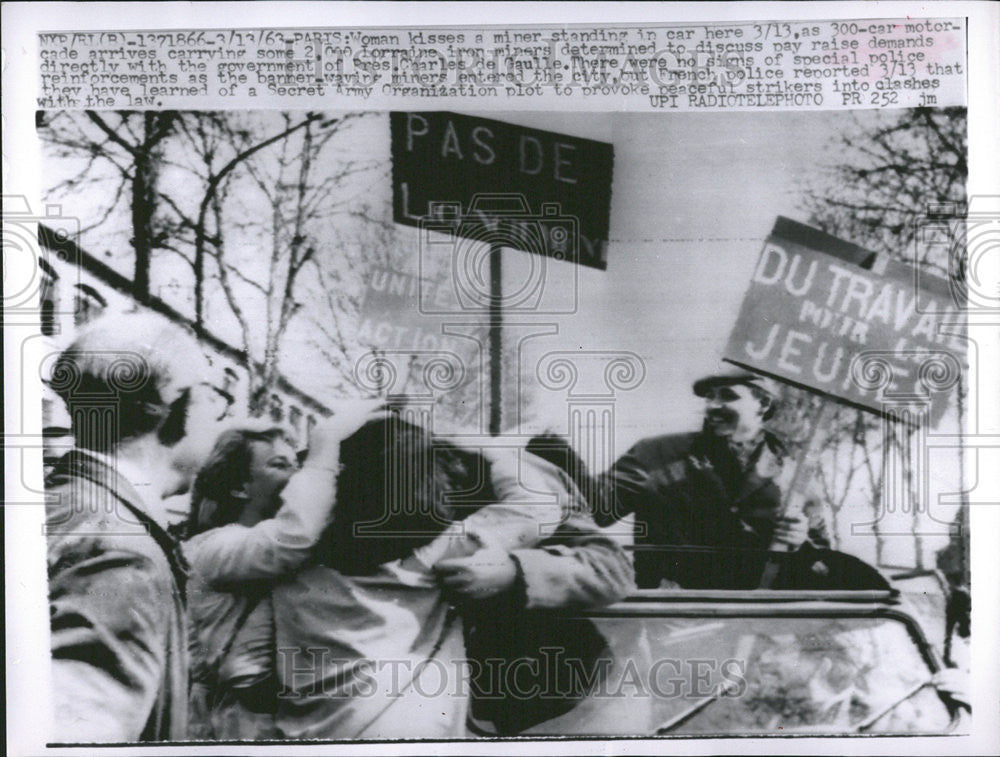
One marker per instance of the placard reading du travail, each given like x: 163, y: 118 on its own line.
x: 765, y: 65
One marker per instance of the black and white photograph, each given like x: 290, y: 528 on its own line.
x: 419, y: 425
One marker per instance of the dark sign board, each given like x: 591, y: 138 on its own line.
x: 560, y: 185
x: 814, y: 316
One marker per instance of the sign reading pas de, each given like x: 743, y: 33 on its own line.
x: 815, y: 316
x: 448, y: 158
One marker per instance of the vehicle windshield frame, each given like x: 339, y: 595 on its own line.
x: 757, y: 603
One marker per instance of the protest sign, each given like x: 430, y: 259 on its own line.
x: 815, y: 316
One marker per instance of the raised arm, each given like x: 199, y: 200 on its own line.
x: 531, y: 504
x: 626, y: 486
x: 579, y: 567
x: 576, y: 566
x: 276, y: 546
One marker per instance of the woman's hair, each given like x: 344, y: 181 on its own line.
x: 227, y: 469
x: 557, y: 450
x: 398, y: 488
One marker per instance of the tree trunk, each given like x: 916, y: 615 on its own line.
x: 144, y: 208
x: 257, y: 396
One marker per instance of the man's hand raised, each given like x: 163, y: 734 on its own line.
x: 347, y: 418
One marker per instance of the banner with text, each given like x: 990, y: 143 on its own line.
x: 814, y: 316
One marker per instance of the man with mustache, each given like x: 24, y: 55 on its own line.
x: 707, y: 506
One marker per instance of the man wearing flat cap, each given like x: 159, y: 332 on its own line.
x: 707, y: 504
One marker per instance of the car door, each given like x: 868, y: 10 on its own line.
x: 681, y: 663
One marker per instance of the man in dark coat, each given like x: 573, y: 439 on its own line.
x: 707, y: 506
x: 143, y: 422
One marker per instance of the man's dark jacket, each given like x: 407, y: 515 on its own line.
x: 701, y: 519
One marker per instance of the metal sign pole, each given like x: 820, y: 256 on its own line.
x: 496, y: 332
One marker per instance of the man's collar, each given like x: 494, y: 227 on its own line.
x: 750, y: 443
x: 709, y: 438
x: 723, y: 451
x: 123, y: 478
x: 124, y: 467
x: 746, y: 449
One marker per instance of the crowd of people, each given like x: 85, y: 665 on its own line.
x: 306, y: 595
